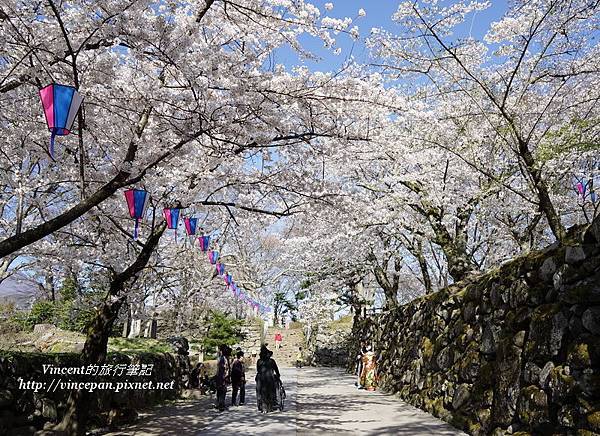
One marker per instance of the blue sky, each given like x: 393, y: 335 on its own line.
x: 379, y: 14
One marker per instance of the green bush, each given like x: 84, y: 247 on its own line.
x: 222, y: 330
x: 42, y: 312
x: 70, y: 312
x: 74, y: 315
x: 11, y: 320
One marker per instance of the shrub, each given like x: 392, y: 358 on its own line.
x: 222, y: 330
x: 42, y: 311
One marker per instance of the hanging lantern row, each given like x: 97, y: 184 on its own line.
x: 213, y: 256
x: 61, y: 104
x: 137, y: 203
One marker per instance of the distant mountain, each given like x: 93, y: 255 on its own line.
x: 19, y: 289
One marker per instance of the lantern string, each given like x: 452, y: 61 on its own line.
x: 135, y: 229
x: 52, y: 136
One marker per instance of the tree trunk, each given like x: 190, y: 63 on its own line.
x: 94, y: 352
x: 390, y: 289
x: 95, y: 348
x: 455, y: 250
x: 542, y: 192
x: 424, y: 268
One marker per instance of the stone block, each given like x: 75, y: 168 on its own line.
x: 548, y: 269
x: 533, y: 407
x: 40, y: 329
x: 561, y: 384
x: 489, y: 339
x: 545, y: 374
x: 574, y: 255
x: 531, y: 373
x: 547, y: 329
x: 506, y: 386
x: 461, y: 396
x: 591, y: 320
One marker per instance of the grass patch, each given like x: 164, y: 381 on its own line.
x: 144, y: 345
x: 343, y: 321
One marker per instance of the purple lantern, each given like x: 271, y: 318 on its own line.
x: 213, y: 256
x: 190, y: 225
x: 61, y: 104
x: 137, y: 201
x: 204, y: 241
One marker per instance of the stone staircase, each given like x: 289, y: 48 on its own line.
x: 292, y: 339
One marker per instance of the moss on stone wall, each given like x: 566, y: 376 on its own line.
x: 515, y: 350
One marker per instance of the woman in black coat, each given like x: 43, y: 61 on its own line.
x: 267, y: 381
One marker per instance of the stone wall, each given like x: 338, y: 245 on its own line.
x: 252, y: 333
x: 329, y: 345
x: 512, y: 351
x: 22, y: 411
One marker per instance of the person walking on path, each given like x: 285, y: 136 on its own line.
x: 267, y: 381
x: 222, y: 376
x: 299, y: 358
x: 238, y: 380
x: 368, y: 379
x: 278, y: 339
x: 359, y: 364
x: 194, y: 380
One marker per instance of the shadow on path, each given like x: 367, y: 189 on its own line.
x: 183, y: 417
x: 320, y: 401
x: 246, y: 420
x: 329, y: 403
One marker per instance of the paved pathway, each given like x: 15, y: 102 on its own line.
x: 246, y: 420
x: 328, y: 403
x: 320, y: 401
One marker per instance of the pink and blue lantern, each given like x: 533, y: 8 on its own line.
x: 172, y: 219
x: 137, y: 202
x: 61, y: 104
x: 213, y: 256
x: 204, y: 242
x: 228, y: 279
x: 220, y: 269
x: 190, y: 225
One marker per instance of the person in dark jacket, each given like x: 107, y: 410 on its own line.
x: 223, y: 376
x: 267, y: 381
x: 238, y: 380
